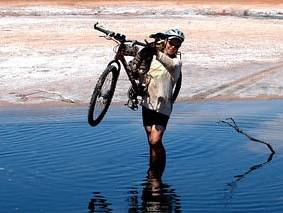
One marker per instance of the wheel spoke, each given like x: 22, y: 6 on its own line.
x: 102, y: 95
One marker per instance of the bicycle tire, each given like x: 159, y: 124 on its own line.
x: 102, y: 95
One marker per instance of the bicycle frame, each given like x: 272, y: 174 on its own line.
x: 120, y: 59
x: 120, y: 56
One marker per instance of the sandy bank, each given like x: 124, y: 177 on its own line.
x: 142, y: 2
x: 57, y: 59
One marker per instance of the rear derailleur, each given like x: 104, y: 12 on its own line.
x: 133, y: 100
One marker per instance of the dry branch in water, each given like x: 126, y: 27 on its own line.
x: 231, y: 186
x: 255, y: 167
x: 236, y: 127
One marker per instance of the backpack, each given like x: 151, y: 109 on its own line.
x: 177, y: 88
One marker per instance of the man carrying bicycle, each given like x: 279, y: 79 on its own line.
x: 157, y: 70
x: 161, y: 77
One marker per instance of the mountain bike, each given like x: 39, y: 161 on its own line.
x: 105, y: 86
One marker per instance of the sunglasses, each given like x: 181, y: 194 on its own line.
x: 175, y: 43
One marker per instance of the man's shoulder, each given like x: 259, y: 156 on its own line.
x: 177, y: 61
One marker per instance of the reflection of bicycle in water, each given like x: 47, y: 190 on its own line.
x: 99, y: 204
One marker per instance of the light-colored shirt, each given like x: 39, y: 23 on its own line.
x: 162, y: 76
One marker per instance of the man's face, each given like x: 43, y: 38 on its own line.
x: 172, y: 46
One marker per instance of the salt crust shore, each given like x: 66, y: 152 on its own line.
x: 56, y: 59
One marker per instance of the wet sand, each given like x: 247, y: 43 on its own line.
x: 50, y: 54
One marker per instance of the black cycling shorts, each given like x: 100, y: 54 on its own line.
x: 151, y: 118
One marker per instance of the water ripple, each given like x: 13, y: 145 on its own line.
x: 48, y: 158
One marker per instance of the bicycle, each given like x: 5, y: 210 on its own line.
x: 106, y: 84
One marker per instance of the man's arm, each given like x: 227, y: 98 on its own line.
x: 169, y: 63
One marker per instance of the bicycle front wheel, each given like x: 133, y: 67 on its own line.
x: 102, y: 95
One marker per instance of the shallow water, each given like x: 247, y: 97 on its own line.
x: 52, y: 161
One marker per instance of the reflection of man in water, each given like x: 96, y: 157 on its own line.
x: 156, y: 196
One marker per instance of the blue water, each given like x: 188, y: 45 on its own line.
x: 52, y: 161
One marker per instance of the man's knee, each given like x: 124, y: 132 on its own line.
x: 154, y: 140
x: 156, y: 134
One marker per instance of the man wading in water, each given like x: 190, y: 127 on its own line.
x: 160, y: 69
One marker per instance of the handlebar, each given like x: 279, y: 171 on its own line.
x: 117, y: 36
x: 107, y: 32
x: 140, y: 43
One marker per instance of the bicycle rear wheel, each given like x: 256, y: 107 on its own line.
x: 102, y: 95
